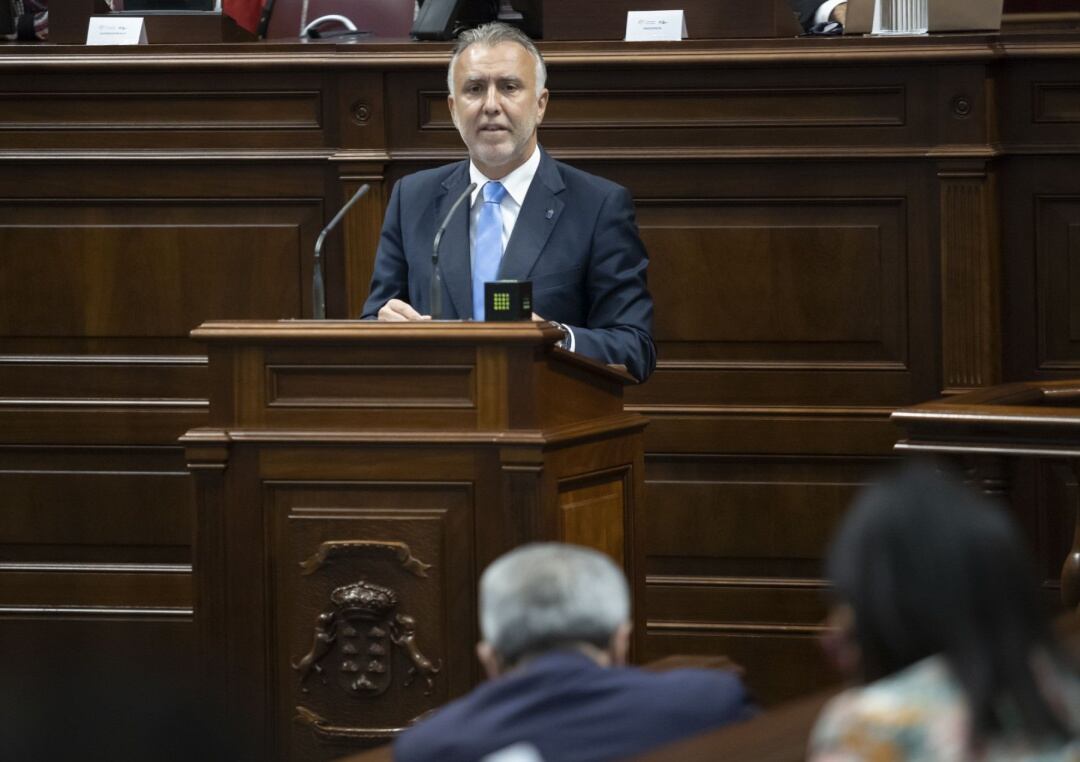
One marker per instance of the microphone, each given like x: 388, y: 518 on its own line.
x: 435, y: 293
x: 318, y: 291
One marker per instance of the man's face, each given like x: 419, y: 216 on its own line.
x: 496, y: 107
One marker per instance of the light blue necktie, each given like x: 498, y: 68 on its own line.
x: 488, y: 252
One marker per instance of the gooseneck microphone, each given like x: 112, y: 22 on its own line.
x: 318, y: 290
x: 435, y: 294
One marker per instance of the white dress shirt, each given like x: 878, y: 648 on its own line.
x: 825, y: 10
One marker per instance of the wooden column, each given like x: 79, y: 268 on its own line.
x: 970, y: 311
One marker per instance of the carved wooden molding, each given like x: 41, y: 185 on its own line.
x: 970, y: 320
x: 732, y: 628
x: 358, y: 634
x: 753, y: 153
x: 332, y: 549
x: 322, y: 727
x: 206, y: 449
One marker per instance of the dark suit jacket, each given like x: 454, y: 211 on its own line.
x: 573, y: 710
x: 575, y: 239
x: 806, y: 10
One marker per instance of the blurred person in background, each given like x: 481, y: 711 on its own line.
x: 936, y: 613
x: 819, y: 12
x: 24, y: 20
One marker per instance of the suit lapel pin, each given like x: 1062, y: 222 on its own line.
x: 549, y: 213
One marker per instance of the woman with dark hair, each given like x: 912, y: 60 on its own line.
x: 936, y: 612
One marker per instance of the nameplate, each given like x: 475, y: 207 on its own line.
x: 655, y: 25
x: 116, y: 30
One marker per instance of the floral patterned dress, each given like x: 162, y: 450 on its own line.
x: 920, y: 715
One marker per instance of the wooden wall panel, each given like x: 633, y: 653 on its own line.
x: 796, y: 665
x: 145, y: 268
x: 119, y: 642
x: 757, y: 519
x: 1058, y: 280
x: 30, y: 377
x: 795, y: 283
x: 591, y: 513
x: 743, y: 516
x: 1043, y: 104
x: 1042, y: 495
x: 74, y: 680
x: 95, y: 572
x: 717, y: 107
x: 156, y: 588
x: 158, y: 206
x: 1056, y: 103
x: 169, y: 109
x: 704, y: 107
x: 1040, y: 269
x: 729, y: 107
x: 761, y: 279
x: 97, y: 508
x: 795, y: 307
x: 734, y: 564
x: 105, y: 504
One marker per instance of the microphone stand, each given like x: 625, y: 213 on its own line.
x: 318, y: 290
x: 435, y: 287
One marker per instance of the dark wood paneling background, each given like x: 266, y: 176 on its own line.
x: 837, y: 228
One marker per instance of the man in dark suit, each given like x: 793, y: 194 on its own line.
x: 529, y: 218
x: 812, y: 12
x: 555, y: 621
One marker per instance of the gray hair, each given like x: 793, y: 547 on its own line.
x: 549, y: 595
x: 490, y: 35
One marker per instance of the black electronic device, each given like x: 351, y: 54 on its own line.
x: 446, y: 19
x: 508, y: 300
x: 526, y: 15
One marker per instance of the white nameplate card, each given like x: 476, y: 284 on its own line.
x: 116, y: 30
x: 655, y: 25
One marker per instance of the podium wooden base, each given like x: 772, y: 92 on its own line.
x: 355, y: 479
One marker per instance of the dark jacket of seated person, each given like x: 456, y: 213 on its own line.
x: 555, y: 621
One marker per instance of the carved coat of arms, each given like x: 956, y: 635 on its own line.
x: 354, y: 641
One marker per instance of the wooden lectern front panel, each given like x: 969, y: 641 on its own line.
x: 591, y: 512
x: 374, y: 621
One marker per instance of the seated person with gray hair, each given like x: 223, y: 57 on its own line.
x: 555, y: 621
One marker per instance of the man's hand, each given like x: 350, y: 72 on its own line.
x: 397, y: 310
x: 839, y: 13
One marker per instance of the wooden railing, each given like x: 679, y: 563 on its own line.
x: 987, y: 427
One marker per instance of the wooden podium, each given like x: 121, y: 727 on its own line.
x: 353, y: 482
